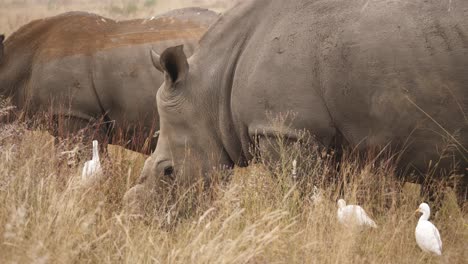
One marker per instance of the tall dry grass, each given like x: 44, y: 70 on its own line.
x: 260, y: 215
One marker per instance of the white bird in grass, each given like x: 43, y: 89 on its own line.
x: 350, y: 215
x: 92, y: 168
x: 427, y: 235
x: 294, y: 170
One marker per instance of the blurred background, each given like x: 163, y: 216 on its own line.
x: 15, y: 13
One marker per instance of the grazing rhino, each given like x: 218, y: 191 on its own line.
x: 369, y: 74
x: 89, y: 71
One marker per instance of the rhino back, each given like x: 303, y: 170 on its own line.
x: 201, y: 16
x: 382, y: 73
x: 92, y: 65
x: 84, y: 34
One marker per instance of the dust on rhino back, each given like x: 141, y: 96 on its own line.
x: 91, y: 69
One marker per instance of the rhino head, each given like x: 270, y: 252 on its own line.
x: 189, y: 136
x: 188, y: 143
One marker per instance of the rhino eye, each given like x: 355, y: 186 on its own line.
x: 168, y: 171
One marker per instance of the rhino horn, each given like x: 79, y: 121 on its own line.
x: 156, y: 60
x: 2, y: 38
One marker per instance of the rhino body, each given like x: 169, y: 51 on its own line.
x: 87, y: 71
x: 382, y: 75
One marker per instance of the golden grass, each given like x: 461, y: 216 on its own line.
x: 260, y: 216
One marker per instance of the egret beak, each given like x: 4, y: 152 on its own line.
x: 417, y: 211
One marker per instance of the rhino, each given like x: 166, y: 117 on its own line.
x: 381, y: 75
x: 87, y: 71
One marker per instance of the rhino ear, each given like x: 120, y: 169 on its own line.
x: 174, y: 63
x: 155, y: 58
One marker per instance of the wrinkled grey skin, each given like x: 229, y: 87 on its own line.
x: 95, y: 72
x: 380, y: 74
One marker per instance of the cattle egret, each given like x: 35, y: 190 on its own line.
x: 294, y: 170
x: 427, y: 235
x: 350, y: 215
x: 92, y: 168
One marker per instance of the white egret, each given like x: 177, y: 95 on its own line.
x: 427, y: 235
x: 92, y: 168
x: 294, y: 170
x: 351, y: 215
